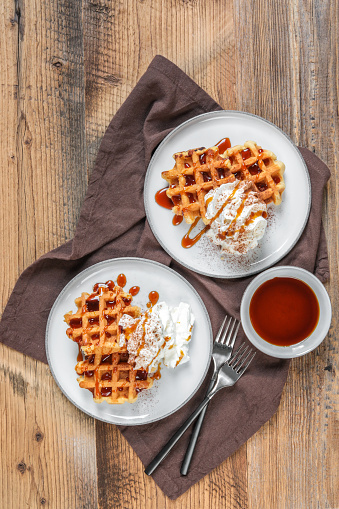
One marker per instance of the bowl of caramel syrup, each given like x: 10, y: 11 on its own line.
x: 286, y: 312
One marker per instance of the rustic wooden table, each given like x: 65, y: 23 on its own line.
x: 66, y: 67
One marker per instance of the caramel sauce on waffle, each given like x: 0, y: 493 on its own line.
x: 141, y: 375
x: 223, y: 145
x: 106, y: 391
x: 163, y: 200
x: 176, y: 200
x: 190, y: 180
x: 202, y: 158
x: 79, y: 358
x: 75, y: 323
x: 97, y: 286
x: 191, y: 197
x: 92, y: 303
x: 262, y: 186
x: 246, y: 153
x: 206, y: 177
x: 254, y: 169
x: 110, y: 285
x: 284, y: 311
x: 177, y: 220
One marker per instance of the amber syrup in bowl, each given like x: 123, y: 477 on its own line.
x: 285, y: 312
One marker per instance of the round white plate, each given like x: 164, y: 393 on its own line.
x: 286, y: 222
x: 175, y: 387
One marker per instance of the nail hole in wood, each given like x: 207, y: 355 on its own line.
x: 22, y: 467
x: 39, y: 436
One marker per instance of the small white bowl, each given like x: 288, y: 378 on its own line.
x: 308, y: 344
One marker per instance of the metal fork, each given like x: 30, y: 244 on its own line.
x: 228, y: 375
x: 222, y: 351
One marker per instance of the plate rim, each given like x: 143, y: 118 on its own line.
x: 147, y: 180
x: 151, y: 262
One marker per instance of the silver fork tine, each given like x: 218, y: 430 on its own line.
x: 238, y: 359
x: 242, y: 361
x: 220, y: 330
x: 222, y: 340
x: 236, y: 353
x: 241, y: 372
x: 229, y: 333
x: 231, y: 344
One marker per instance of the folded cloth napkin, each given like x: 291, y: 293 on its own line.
x: 113, y: 224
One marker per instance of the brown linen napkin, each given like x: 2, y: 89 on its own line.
x: 112, y: 224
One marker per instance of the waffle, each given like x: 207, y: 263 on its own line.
x: 198, y: 171
x: 105, y: 369
x: 113, y: 380
x: 195, y: 172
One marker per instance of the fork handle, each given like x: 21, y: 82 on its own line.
x: 195, y: 434
x: 172, y: 441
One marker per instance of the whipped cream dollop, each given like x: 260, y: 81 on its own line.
x: 238, y: 217
x: 160, y: 335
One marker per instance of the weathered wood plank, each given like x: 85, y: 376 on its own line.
x: 50, y: 132
x: 8, y: 153
x: 291, y: 457
x: 122, y: 482
x: 47, y: 446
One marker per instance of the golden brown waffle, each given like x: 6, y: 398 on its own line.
x: 113, y: 380
x: 260, y: 166
x: 105, y: 370
x: 95, y: 324
x: 197, y: 171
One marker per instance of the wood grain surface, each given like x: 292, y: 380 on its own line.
x: 66, y: 67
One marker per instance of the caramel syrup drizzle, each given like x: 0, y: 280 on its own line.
x: 248, y: 221
x: 187, y: 242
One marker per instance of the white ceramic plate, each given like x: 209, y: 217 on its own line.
x: 319, y: 333
x: 286, y: 222
x: 175, y: 387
